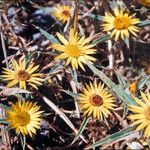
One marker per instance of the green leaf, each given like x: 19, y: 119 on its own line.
x: 74, y: 75
x: 120, y: 92
x: 111, y: 138
x: 54, y: 68
x: 121, y: 79
x: 4, y: 106
x: 144, y: 23
x: 82, y: 127
x: 95, y: 16
x: 31, y: 54
x: 2, y: 121
x: 101, y: 39
x: 74, y: 95
x: 23, y: 141
x: 114, y: 4
x: 61, y: 114
x: 49, y: 36
x: 126, y: 40
x: 142, y: 82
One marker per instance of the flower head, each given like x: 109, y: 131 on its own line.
x: 62, y: 12
x: 96, y: 101
x: 24, y: 117
x: 22, y: 74
x: 145, y: 2
x: 75, y: 49
x: 141, y: 113
x: 121, y: 24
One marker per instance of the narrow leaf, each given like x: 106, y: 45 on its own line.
x: 54, y: 68
x: 126, y: 40
x: 23, y: 141
x: 82, y: 127
x: 121, y: 80
x: 111, y: 138
x: 142, y: 82
x: 49, y: 36
x: 144, y: 23
x: 101, y: 39
x: 31, y: 54
x: 4, y: 106
x: 120, y: 92
x: 2, y: 121
x: 61, y: 114
x: 98, y: 17
x: 74, y: 75
x: 74, y: 95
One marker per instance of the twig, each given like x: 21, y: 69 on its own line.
x: 9, y: 25
x: 3, y: 42
x: 5, y: 134
x: 121, y: 55
x: 111, y: 56
x: 96, y: 36
x: 89, y: 12
x: 76, y: 15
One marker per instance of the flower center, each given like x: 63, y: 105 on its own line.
x: 73, y: 50
x: 96, y: 100
x: 22, y: 75
x: 122, y: 22
x: 147, y: 113
x: 66, y: 13
x: 22, y: 118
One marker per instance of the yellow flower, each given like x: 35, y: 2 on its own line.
x: 96, y: 101
x: 62, y: 12
x: 121, y: 24
x: 144, y: 2
x: 145, y: 144
x: 75, y: 49
x: 22, y: 74
x: 141, y: 114
x: 24, y: 117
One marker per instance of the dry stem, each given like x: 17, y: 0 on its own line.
x: 4, y: 134
x: 76, y: 15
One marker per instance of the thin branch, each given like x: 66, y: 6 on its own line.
x: 4, y: 134
x: 3, y: 42
x: 110, y: 57
x: 75, y: 15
